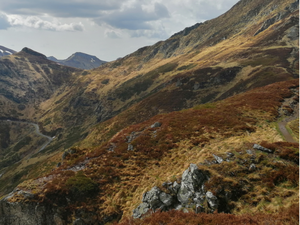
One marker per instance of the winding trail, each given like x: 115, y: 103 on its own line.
x: 282, y: 126
x: 37, y: 131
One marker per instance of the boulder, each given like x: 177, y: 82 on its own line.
x: 212, y: 200
x: 175, y: 187
x: 130, y: 147
x: 141, y: 210
x: 165, y: 198
x: 218, y: 159
x: 249, y: 152
x: 152, y: 198
x: 192, y: 181
x: 156, y: 124
x: 261, y: 148
x: 252, y: 167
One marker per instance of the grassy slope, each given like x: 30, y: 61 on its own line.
x: 185, y: 137
x: 263, y: 60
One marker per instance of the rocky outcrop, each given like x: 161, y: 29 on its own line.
x: 261, y: 148
x: 281, y: 15
x: 29, y: 212
x: 187, y: 195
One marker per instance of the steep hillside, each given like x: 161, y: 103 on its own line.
x: 120, y: 129
x: 5, y: 51
x: 28, y: 78
x: 94, y: 185
x: 80, y: 60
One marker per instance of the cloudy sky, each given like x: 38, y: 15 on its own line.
x: 107, y: 29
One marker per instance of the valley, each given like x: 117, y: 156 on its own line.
x: 201, y: 124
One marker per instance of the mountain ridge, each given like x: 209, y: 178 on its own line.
x: 135, y: 122
x: 80, y: 60
x: 5, y: 51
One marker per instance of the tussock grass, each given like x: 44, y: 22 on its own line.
x: 185, y: 137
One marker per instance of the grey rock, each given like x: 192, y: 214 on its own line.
x: 199, y: 198
x: 252, y: 167
x: 178, y: 207
x: 26, y: 194
x: 196, y: 86
x: 166, y: 198
x: 178, y: 83
x: 192, y: 180
x: 130, y: 147
x: 175, y: 187
x: 152, y: 198
x: 112, y: 147
x: 212, y: 200
x: 140, y: 210
x: 293, y: 33
x: 65, y: 154
x: 156, y: 124
x: 261, y: 148
x: 229, y: 154
x: 72, y: 151
x: 218, y: 159
x: 131, y: 137
x: 249, y: 152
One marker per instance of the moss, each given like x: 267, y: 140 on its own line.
x: 81, y: 185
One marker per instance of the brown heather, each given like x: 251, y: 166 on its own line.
x: 123, y: 175
x: 286, y: 216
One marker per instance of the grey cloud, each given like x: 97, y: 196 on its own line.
x: 112, y: 35
x: 38, y: 23
x: 161, y: 10
x: 4, y: 24
x: 59, y: 8
x: 134, y: 18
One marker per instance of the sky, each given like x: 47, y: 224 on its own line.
x: 107, y: 29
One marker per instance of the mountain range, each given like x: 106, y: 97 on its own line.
x: 205, y: 121
x: 80, y: 60
x: 5, y: 51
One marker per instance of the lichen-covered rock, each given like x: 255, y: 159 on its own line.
x: 192, y: 181
x: 218, y: 159
x: 261, y: 148
x: 212, y: 200
x: 130, y: 147
x: 140, y: 210
x: 186, y: 196
x: 156, y: 124
x: 152, y: 198
x: 252, y: 167
x: 166, y: 198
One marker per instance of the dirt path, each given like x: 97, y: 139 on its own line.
x: 282, y: 125
x: 37, y: 131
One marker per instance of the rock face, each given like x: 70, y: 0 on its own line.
x: 15, y: 213
x: 269, y: 22
x: 187, y: 195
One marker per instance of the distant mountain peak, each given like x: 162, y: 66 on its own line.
x: 6, y: 51
x: 32, y: 52
x: 80, y: 60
